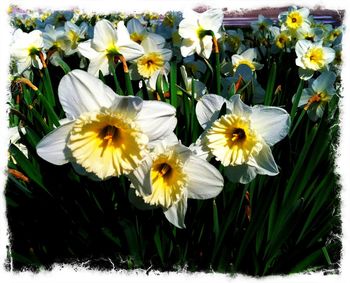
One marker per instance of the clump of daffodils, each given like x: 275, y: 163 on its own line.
x: 206, y: 75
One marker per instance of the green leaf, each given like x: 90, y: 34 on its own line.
x: 48, y: 88
x: 173, y: 88
x: 270, y: 84
x: 296, y: 100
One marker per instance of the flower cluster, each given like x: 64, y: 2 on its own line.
x: 109, y: 133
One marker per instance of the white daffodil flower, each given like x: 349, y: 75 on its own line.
x: 248, y: 58
x: 295, y: 20
x: 312, y: 57
x: 199, y: 88
x: 241, y: 138
x: 138, y: 33
x: 196, y: 67
x: 107, y: 134
x: 74, y: 34
x: 171, y: 174
x: 193, y: 27
x: 318, y: 95
x: 155, y: 60
x: 25, y: 49
x: 107, y: 43
x: 233, y: 41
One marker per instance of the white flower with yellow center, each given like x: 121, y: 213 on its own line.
x: 295, y: 20
x: 248, y: 58
x: 138, y: 33
x: 241, y: 138
x: 155, y: 59
x: 25, y: 49
x: 312, y: 57
x: 107, y: 43
x: 170, y: 174
x: 108, y: 134
x: 193, y: 28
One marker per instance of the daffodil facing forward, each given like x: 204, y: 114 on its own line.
x: 170, y: 175
x: 107, y: 43
x: 107, y: 134
x: 241, y: 138
x: 312, y: 57
x: 194, y: 30
x: 248, y: 57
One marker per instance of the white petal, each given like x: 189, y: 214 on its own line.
x: 305, y: 74
x: 157, y: 119
x: 211, y: 19
x: 134, y: 26
x: 52, y: 147
x: 205, y: 47
x: 104, y: 35
x: 123, y: 35
x: 302, y: 46
x: 188, y: 47
x: 329, y: 54
x: 208, y: 109
x: 264, y: 162
x: 188, y: 28
x: 81, y: 92
x: 166, y: 53
x: 86, y: 50
x: 324, y: 81
x: 131, y: 50
x: 157, y: 39
x: 272, y: 123
x: 176, y: 213
x: 306, y: 94
x: 238, y: 107
x: 99, y: 63
x: 204, y: 180
x: 241, y: 173
x: 250, y: 54
x: 140, y: 177
x: 130, y: 105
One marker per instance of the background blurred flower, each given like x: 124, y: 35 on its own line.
x: 107, y: 43
x: 25, y: 49
x: 193, y: 31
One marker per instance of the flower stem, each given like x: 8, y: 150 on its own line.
x: 128, y: 83
x: 217, y: 65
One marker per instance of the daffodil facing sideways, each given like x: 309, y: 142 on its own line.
x: 195, y: 29
x: 106, y: 44
x: 193, y: 86
x: 26, y: 49
x: 248, y: 57
x: 315, y: 98
x: 312, y: 57
x: 170, y: 174
x: 241, y: 138
x: 107, y: 134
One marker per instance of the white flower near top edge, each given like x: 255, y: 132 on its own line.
x: 171, y: 174
x: 138, y: 33
x: 107, y: 135
x: 295, y: 20
x: 25, y: 49
x: 241, y: 138
x: 193, y: 27
x: 312, y: 57
x: 107, y: 43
